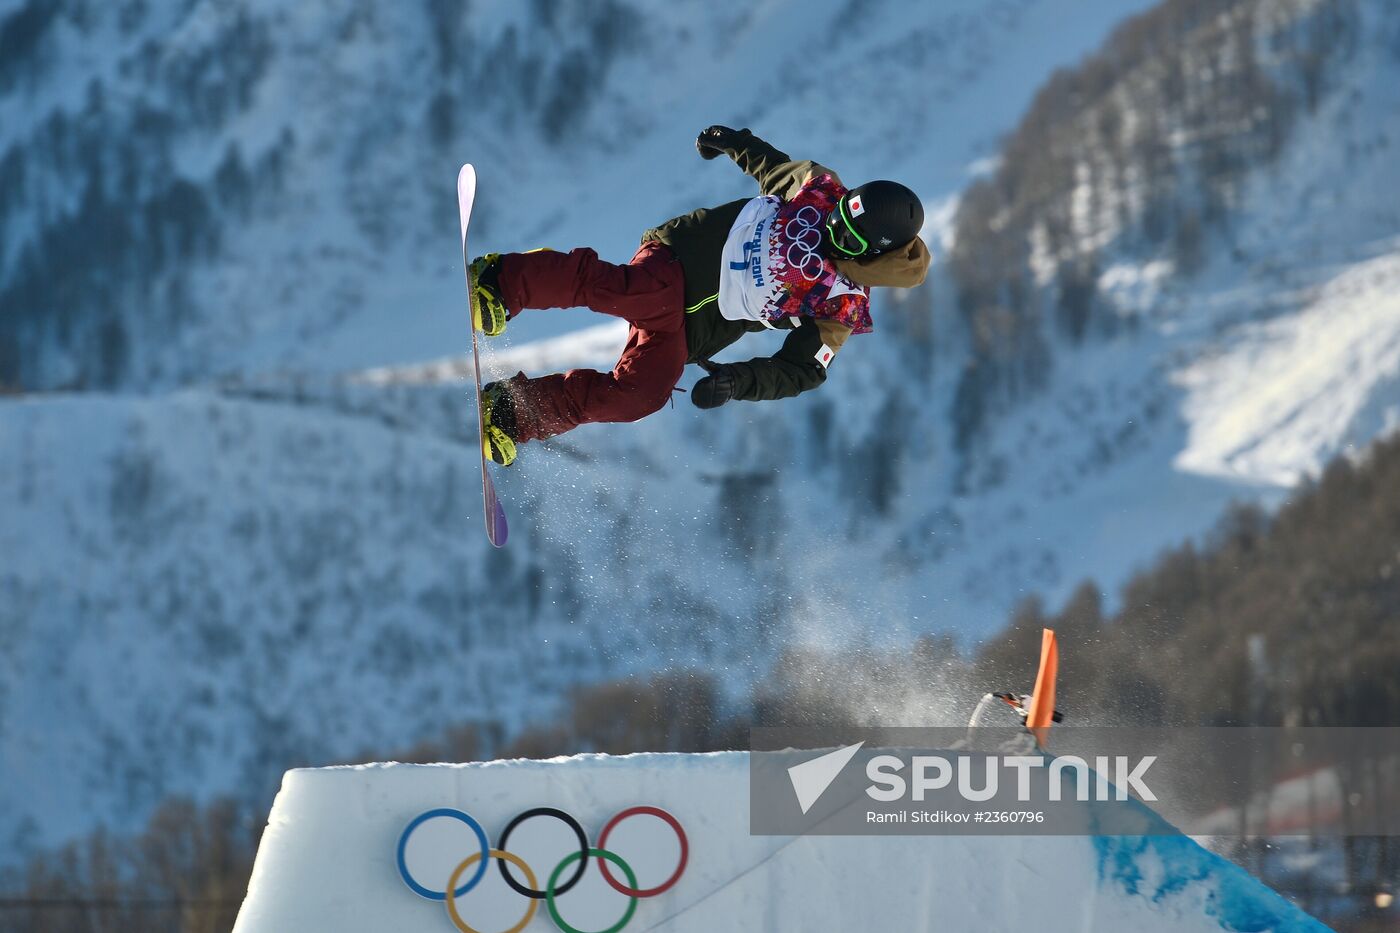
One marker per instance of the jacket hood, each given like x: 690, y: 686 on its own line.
x: 901, y: 268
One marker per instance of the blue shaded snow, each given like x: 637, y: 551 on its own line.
x: 1159, y: 867
x: 1164, y: 864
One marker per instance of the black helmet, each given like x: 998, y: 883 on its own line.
x: 876, y: 217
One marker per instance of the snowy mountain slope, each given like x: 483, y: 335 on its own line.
x: 284, y: 566
x: 1292, y: 393
x: 326, y: 860
x: 271, y: 183
x: 291, y: 586
x: 232, y: 189
x: 1233, y: 383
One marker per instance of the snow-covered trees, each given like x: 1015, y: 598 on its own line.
x: 1142, y: 149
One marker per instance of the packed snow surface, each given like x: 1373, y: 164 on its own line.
x: 328, y: 861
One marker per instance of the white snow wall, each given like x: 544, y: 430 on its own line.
x: 328, y: 860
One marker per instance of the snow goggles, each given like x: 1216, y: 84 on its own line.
x: 843, y: 233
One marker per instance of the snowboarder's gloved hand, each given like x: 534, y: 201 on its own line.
x: 713, y: 140
x: 716, y: 388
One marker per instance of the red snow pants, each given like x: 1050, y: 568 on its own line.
x: 648, y: 293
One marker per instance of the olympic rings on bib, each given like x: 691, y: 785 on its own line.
x: 804, y: 233
x: 557, y: 882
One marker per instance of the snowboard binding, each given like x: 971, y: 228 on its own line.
x: 498, y: 423
x: 488, y: 309
x: 1021, y: 703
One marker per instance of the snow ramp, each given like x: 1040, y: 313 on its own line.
x: 376, y: 847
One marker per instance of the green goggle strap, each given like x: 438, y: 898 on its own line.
x: 845, y: 218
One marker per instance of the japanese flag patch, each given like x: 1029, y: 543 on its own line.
x: 855, y: 206
x: 824, y: 356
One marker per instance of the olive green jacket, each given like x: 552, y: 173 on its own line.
x: 698, y: 240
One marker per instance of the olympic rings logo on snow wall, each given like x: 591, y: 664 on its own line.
x: 473, y: 866
x: 804, y: 230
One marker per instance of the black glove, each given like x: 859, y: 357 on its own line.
x: 716, y: 388
x: 713, y: 140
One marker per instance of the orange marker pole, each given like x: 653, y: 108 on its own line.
x: 1042, y: 711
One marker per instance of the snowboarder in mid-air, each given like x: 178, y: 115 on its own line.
x: 800, y: 258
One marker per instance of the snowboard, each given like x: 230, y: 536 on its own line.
x: 496, y: 528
